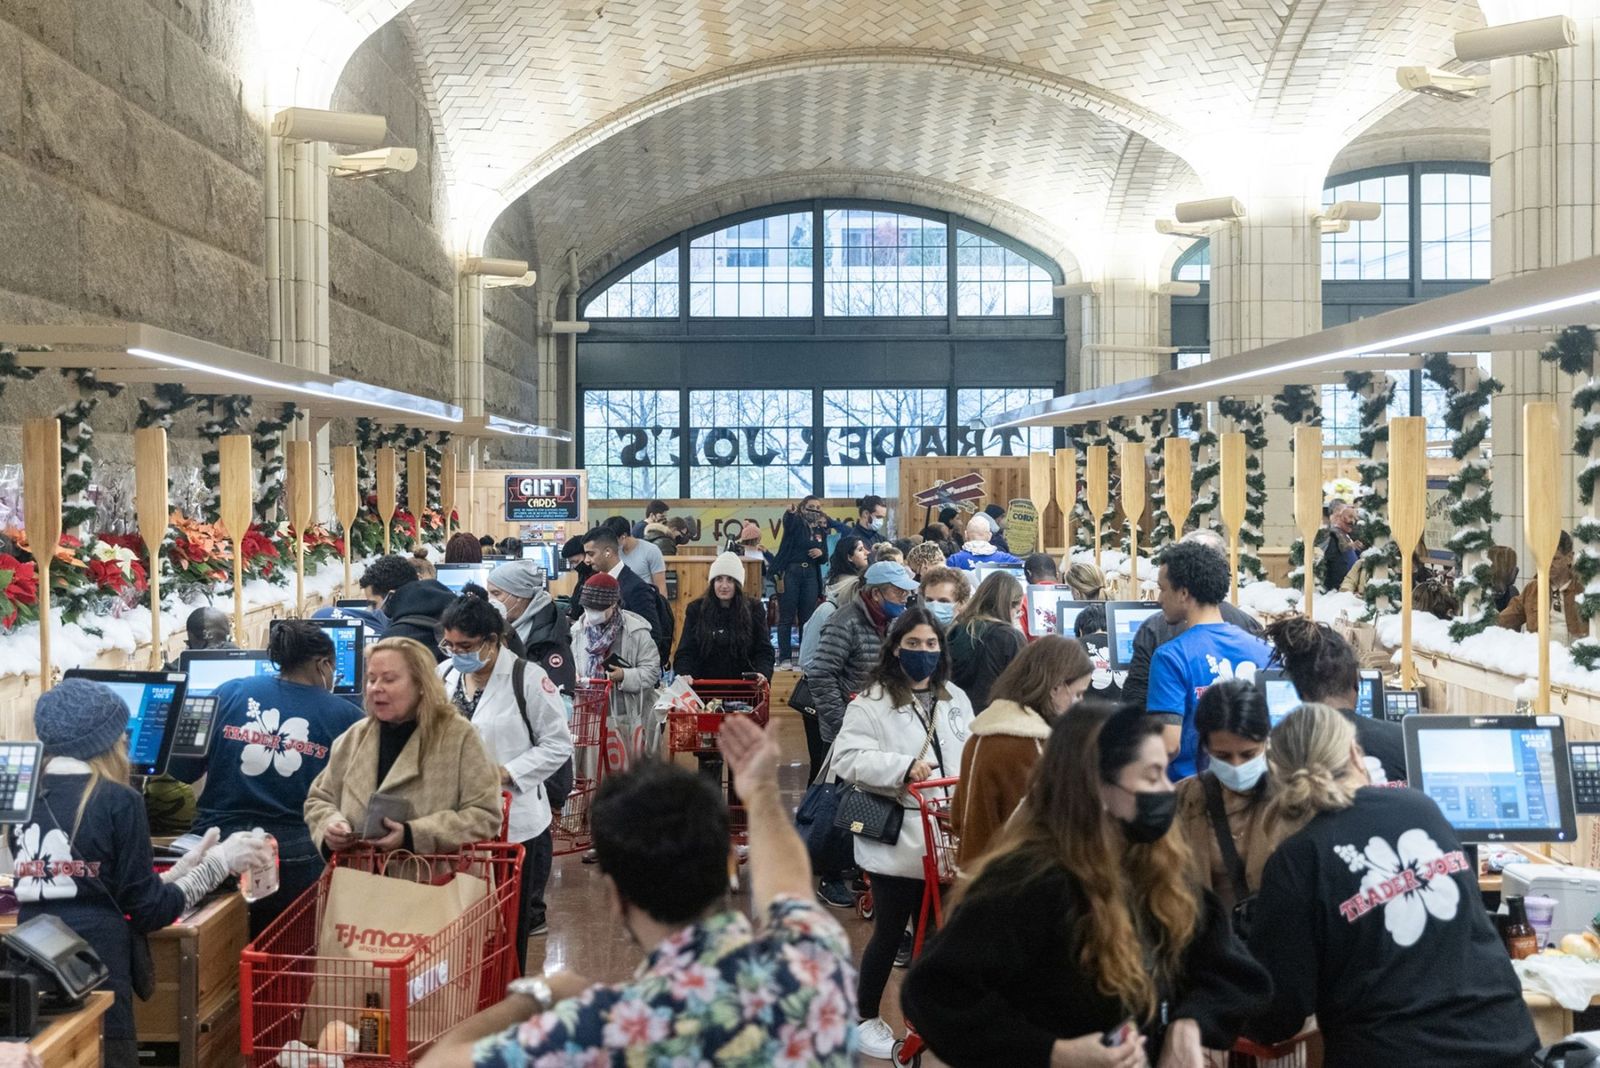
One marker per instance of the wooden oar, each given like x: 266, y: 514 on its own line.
x: 41, y: 500
x: 1131, y: 458
x: 1541, y: 523
x: 1408, y: 502
x: 1308, y: 499
x: 1039, y: 490
x: 297, y: 486
x: 1177, y: 475
x: 150, y: 503
x: 447, y: 487
x: 238, y: 487
x: 1097, y: 475
x: 388, y: 492
x: 346, y: 499
x: 1066, y: 493
x: 417, y: 486
x: 1232, y: 504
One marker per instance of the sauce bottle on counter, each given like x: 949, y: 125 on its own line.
x: 1521, y: 940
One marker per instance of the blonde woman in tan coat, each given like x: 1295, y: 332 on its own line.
x: 416, y: 747
x: 1046, y: 679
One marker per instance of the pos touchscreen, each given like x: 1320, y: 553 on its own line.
x: 1495, y: 778
x: 1123, y: 620
x: 153, y: 699
x: 349, y: 649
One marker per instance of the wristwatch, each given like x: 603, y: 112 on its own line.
x: 533, y: 987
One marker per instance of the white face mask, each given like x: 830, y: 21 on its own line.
x: 594, y: 617
x: 499, y: 606
x: 1240, y: 778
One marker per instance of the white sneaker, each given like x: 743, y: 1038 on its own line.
x: 874, y: 1038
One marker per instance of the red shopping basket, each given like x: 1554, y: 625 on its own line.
x: 280, y: 970
x: 696, y: 731
x: 591, y: 700
x: 939, y: 848
x: 1295, y: 1053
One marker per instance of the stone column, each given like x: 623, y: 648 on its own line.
x: 1122, y: 331
x: 1543, y: 194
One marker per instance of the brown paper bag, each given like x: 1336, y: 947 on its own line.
x: 368, y: 917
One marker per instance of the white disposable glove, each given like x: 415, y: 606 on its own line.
x: 191, y: 860
x: 244, y: 850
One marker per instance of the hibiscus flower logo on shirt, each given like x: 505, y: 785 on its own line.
x: 41, y: 857
x: 273, y: 741
x: 1410, y: 881
x: 1225, y: 669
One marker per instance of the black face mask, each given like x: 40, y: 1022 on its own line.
x: 1152, y: 818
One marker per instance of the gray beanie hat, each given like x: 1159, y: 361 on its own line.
x: 79, y: 718
x: 519, y: 578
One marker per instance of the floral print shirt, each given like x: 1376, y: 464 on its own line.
x: 715, y: 994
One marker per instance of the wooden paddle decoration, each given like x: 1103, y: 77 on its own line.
x: 150, y: 502
x: 388, y: 491
x: 1233, y: 504
x: 417, y: 486
x: 297, y: 487
x: 1308, y: 500
x: 1131, y: 458
x: 238, y: 486
x: 447, y: 488
x: 1541, y: 457
x: 1408, y: 502
x: 1098, y: 478
x: 1177, y: 473
x: 1066, y: 494
x: 1039, y: 489
x: 41, y: 501
x: 346, y: 499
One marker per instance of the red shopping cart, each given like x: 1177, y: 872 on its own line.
x: 1295, y: 1053
x: 694, y: 731
x: 938, y: 872
x: 287, y: 991
x: 590, y: 701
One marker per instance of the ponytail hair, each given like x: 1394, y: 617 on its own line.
x: 1309, y: 760
x: 1320, y: 663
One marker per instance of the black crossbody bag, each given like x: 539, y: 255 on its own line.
x: 875, y: 816
x: 1244, y: 900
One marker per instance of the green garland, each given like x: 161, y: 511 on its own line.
x: 1205, y: 470
x: 1381, y: 560
x: 77, y: 434
x: 1298, y: 406
x: 1082, y: 517
x: 1573, y: 352
x: 1251, y: 421
x: 1472, y: 513
x: 265, y: 439
x: 225, y: 414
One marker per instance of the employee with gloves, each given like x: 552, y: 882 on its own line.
x: 85, y: 857
x: 536, y: 632
x: 1369, y: 916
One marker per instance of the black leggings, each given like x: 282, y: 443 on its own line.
x: 895, y: 902
x: 816, y: 748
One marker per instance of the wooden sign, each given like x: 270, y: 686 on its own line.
x: 1066, y: 492
x: 1233, y: 503
x: 1097, y: 479
x: 417, y: 485
x: 1022, y: 527
x: 1038, y: 490
x: 447, y: 487
x: 41, y: 504
x: 238, y: 488
x: 1131, y: 459
x: 1541, y: 458
x: 346, y: 499
x: 1408, y: 492
x: 150, y: 503
x: 388, y: 492
x: 298, y: 488
x: 1177, y: 474
x: 1308, y: 500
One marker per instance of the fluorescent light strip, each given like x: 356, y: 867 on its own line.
x: 254, y: 380
x: 1309, y: 361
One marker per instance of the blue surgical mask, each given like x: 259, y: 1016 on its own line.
x: 1240, y: 778
x: 919, y: 664
x: 467, y: 663
x: 943, y: 611
x: 893, y: 609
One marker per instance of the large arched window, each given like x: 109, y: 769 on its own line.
x: 805, y: 346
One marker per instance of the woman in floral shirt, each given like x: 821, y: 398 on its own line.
x: 712, y: 990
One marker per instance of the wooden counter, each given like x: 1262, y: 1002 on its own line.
x: 192, y: 1019
x: 73, y: 1040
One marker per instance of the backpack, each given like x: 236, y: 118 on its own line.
x: 559, y: 785
x: 663, y: 630
x: 422, y: 622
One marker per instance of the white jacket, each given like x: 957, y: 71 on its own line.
x: 504, y: 732
x: 875, y: 748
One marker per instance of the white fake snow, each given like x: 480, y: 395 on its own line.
x: 1508, y: 652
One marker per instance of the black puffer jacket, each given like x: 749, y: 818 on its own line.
x: 847, y: 651
x: 411, y: 608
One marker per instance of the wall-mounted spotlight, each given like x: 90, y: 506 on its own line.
x: 336, y: 127
x: 1214, y: 209
x: 1337, y: 217
x: 1076, y: 289
x: 1430, y: 81
x: 499, y: 273
x: 1516, y: 39
x: 1179, y: 289
x: 560, y: 327
x: 373, y: 163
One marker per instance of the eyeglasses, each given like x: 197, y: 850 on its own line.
x: 451, y: 649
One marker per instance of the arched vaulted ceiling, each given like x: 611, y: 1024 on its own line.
x: 613, y: 115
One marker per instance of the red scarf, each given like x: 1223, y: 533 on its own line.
x: 875, y: 614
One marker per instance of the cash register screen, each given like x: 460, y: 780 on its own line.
x: 1369, y: 695
x: 349, y: 647
x: 1495, y: 778
x: 19, y: 780
x: 1053, y: 610
x: 208, y: 669
x: 1282, y: 697
x: 1123, y: 620
x: 456, y: 576
x: 153, y: 699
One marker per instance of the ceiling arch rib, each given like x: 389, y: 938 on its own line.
x: 943, y: 125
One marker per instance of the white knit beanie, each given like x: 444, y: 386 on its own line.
x: 727, y: 565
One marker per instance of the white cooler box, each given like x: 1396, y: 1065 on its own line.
x: 1576, y: 892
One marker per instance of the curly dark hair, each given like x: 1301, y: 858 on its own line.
x: 1193, y: 567
x: 387, y: 574
x: 1319, y: 661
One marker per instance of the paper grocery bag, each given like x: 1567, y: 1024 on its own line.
x: 367, y: 918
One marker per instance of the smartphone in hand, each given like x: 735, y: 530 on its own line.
x: 1121, y: 1036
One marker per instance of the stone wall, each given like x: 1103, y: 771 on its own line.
x: 130, y: 161
x: 510, y: 352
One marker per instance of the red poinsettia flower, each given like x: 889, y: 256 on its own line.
x: 107, y: 575
x: 127, y: 541
x: 24, y: 585
x: 257, y: 544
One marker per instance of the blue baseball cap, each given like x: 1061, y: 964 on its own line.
x: 889, y: 573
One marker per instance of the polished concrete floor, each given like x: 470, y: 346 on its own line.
x: 584, y: 938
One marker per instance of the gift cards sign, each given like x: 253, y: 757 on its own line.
x: 536, y: 498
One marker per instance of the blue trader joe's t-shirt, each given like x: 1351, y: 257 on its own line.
x: 1183, y: 667
x: 269, y: 739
